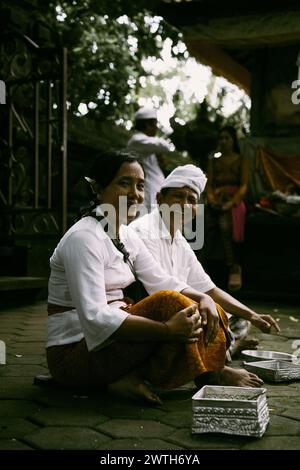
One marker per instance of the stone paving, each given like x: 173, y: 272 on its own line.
x: 34, y: 417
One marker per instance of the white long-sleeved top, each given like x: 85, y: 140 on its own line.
x: 87, y: 272
x: 176, y: 257
x: 148, y: 147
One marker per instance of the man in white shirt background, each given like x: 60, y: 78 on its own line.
x: 168, y: 246
x: 151, y: 149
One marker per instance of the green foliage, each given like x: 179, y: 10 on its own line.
x: 106, y: 41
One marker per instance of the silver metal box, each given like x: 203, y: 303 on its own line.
x: 230, y: 410
x: 274, y: 371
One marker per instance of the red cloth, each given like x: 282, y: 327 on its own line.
x: 238, y: 222
x: 238, y: 214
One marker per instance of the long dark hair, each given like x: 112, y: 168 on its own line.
x: 102, y: 172
x: 233, y: 134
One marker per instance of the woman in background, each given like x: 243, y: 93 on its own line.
x: 226, y: 188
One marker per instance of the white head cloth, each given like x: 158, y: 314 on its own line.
x: 146, y: 113
x: 186, y: 175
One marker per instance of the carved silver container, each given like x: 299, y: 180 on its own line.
x: 230, y: 410
x: 274, y: 371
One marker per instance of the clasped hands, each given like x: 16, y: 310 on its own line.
x: 187, y: 324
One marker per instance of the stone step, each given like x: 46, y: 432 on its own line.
x: 10, y: 283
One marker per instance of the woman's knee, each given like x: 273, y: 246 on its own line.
x: 161, y: 305
x: 172, y: 296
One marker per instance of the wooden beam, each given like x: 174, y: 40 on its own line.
x: 221, y: 63
x: 252, y: 30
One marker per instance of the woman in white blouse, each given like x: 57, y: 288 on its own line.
x: 96, y: 337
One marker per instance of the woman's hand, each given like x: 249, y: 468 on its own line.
x: 264, y: 323
x: 228, y: 205
x: 210, y: 318
x: 185, y: 325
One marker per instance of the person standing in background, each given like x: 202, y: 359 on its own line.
x: 227, y: 186
x: 151, y: 150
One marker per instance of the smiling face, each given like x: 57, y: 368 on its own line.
x: 125, y: 191
x: 181, y: 199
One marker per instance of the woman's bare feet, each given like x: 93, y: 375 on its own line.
x: 229, y: 376
x: 130, y: 386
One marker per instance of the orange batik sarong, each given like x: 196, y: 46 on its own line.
x: 174, y: 364
x: 164, y: 364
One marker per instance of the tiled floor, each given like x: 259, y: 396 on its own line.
x: 33, y: 417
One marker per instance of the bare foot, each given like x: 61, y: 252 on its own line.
x: 245, y: 343
x: 130, y: 386
x: 238, y: 378
x: 235, y: 278
x: 229, y: 376
x: 248, y: 343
